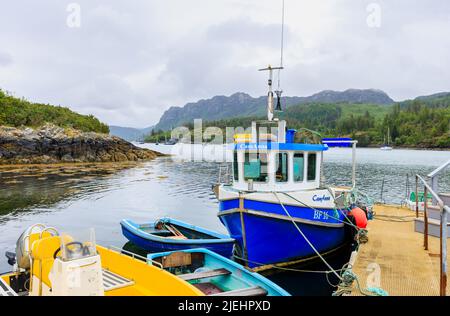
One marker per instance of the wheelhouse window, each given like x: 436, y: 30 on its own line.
x: 255, y: 167
x: 282, y: 167
x: 312, y: 161
x: 235, y: 166
x: 299, y: 167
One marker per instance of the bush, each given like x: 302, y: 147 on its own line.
x: 19, y: 112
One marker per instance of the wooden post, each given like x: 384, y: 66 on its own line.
x: 425, y: 219
x: 443, y: 252
x: 244, y: 237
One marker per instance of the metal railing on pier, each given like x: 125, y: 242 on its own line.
x: 444, y: 210
x: 434, y: 176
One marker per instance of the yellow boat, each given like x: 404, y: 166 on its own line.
x: 50, y: 264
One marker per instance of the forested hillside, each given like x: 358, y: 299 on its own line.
x: 242, y: 104
x: 423, y: 122
x: 20, y: 112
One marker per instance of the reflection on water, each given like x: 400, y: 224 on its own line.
x: 25, y: 188
x: 73, y: 198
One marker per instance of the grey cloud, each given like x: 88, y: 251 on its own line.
x: 243, y: 30
x: 131, y: 60
x: 5, y: 59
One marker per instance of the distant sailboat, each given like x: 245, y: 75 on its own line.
x: 387, y: 146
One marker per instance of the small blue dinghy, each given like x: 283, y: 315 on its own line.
x: 168, y: 234
x: 215, y: 275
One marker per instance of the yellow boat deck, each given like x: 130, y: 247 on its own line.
x: 394, y: 257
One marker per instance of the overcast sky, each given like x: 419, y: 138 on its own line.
x: 129, y: 61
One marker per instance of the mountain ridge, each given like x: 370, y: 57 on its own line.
x: 242, y: 104
x: 129, y: 133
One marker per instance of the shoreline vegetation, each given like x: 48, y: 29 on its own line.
x: 423, y: 123
x: 32, y: 133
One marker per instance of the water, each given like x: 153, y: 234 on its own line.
x: 76, y: 198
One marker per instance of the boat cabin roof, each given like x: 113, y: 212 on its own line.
x: 274, y: 161
x: 280, y: 146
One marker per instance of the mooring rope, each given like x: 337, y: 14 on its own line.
x: 322, y: 212
x: 273, y: 266
x: 361, y: 233
x: 385, y: 218
x: 346, y: 286
x: 347, y: 276
x: 306, y: 238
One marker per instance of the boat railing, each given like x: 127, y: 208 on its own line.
x: 134, y: 255
x: 444, y: 211
x: 224, y: 174
x: 346, y: 142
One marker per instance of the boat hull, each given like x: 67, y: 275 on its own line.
x: 265, y: 236
x: 152, y: 243
x: 239, y: 278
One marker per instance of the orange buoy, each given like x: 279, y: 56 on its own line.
x: 360, y: 217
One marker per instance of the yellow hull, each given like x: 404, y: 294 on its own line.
x: 143, y: 279
x: 148, y: 280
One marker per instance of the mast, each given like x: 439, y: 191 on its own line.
x: 389, y: 135
x: 270, y: 109
x: 270, y: 69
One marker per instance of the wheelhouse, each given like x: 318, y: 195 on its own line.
x: 273, y: 161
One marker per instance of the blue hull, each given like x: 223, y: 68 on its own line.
x: 272, y: 240
x: 152, y: 243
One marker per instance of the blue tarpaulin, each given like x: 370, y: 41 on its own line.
x: 344, y: 142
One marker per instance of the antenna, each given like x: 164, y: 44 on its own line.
x: 270, y: 110
x: 279, y: 92
x: 282, y: 43
x: 270, y: 69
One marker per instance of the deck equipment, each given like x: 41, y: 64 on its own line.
x: 54, y: 264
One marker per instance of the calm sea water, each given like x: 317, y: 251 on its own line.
x: 75, y: 199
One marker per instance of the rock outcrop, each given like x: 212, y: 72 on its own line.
x: 51, y: 144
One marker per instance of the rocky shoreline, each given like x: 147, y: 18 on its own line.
x: 52, y: 144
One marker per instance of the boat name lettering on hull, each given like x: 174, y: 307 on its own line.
x: 321, y: 215
x: 323, y: 198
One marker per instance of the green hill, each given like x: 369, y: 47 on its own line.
x: 241, y: 104
x: 20, y: 112
x: 423, y: 122
x: 420, y: 125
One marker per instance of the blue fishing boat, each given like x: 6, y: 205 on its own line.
x: 168, y: 234
x: 276, y: 204
x: 215, y: 275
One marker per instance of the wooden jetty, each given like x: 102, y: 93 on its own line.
x: 406, y: 254
x: 394, y: 258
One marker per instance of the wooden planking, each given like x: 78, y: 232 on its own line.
x: 204, y: 275
x: 253, y: 291
x: 177, y: 259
